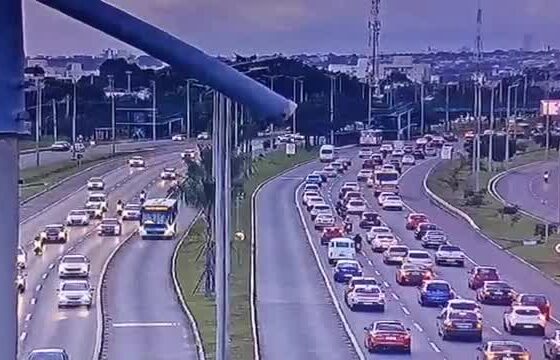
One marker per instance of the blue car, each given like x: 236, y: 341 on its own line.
x: 435, y: 293
x: 313, y: 179
x: 344, y: 270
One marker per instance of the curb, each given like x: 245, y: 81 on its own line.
x: 179, y: 292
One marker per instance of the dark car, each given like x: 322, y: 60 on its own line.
x: 369, y: 219
x: 344, y: 270
x: 422, y: 228
x: 396, y: 163
x: 459, y: 324
x: 479, y: 274
x: 408, y: 149
x: 368, y: 164
x: 450, y: 137
x: 538, y: 300
x: 48, y: 354
x: 495, y: 293
x: 418, y: 154
x: 377, y: 159
x: 412, y: 274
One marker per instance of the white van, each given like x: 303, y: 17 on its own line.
x: 326, y: 153
x: 341, y: 248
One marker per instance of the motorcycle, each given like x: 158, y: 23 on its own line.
x: 38, y: 249
x: 21, y: 283
x: 119, y: 210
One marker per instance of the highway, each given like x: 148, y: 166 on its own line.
x: 402, y: 301
x: 41, y: 323
x: 526, y: 188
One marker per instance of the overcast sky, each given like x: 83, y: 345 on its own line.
x: 307, y: 26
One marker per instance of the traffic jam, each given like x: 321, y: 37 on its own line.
x: 348, y: 218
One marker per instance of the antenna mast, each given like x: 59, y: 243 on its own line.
x: 374, y: 30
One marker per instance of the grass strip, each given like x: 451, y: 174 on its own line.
x: 189, y: 269
x: 451, y: 179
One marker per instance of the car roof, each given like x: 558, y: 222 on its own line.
x: 461, y: 301
x: 436, y: 281
x: 75, y: 281
x: 54, y: 225
x: 48, y: 350
x: 418, y: 252
x: 346, y: 261
x: 97, y: 194
x: 525, y: 307
x: 486, y: 268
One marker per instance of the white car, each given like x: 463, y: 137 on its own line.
x: 94, y: 210
x: 61, y: 146
x: 168, y: 174
x: 75, y: 293
x: 72, y: 266
x: 377, y: 230
x: 520, y: 318
x: 388, y: 167
x: 397, y: 153
x: 136, y: 162
x: 330, y: 171
x: 450, y: 255
x: 356, y: 207
x: 311, y: 187
x: 366, y: 297
x: 383, y: 195
x: 419, y: 257
x: 365, y: 153
x: 386, y: 148
x: 178, y: 137
x: 395, y: 254
x: 370, y: 182
x: 421, y: 141
x: 307, y: 194
x: 21, y: 258
x: 341, y: 249
x: 464, y: 305
x: 110, y: 227
x: 381, y: 242
x: 320, y: 209
x: 323, y: 221
x: 314, y: 200
x: 54, y: 233
x: 430, y: 151
x: 393, y: 202
x: 131, y: 212
x: 190, y: 154
x: 339, y: 166
x: 408, y: 160
x: 203, y: 136
x: 352, y: 184
x: 95, y: 183
x: 364, y: 174
x: 98, y: 198
x: 77, y: 217
x: 434, y: 239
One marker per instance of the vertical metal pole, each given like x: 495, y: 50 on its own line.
x: 508, y: 113
x: 547, y: 119
x: 479, y: 119
x: 447, y: 107
x: 154, y: 135
x: 188, y: 100
x: 236, y: 127
x: 399, y: 126
x: 409, y: 124
x: 214, y: 135
x: 301, y: 91
x: 525, y: 93
x: 12, y: 102
x: 55, y: 121
x: 67, y: 100
x: 332, y: 109
x: 227, y: 221
x: 422, y: 109
x: 490, y: 140
x: 295, y: 100
x: 369, y: 104
x: 113, y: 137
x: 38, y: 122
x: 74, y: 109
x: 128, y: 81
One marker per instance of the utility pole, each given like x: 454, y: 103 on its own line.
x: 399, y: 126
x: 55, y: 121
x: 331, y: 108
x: 294, y: 97
x: 374, y: 32
x: 525, y: 85
x: 547, y: 117
x: 301, y: 91
x: 490, y: 139
x: 508, y: 120
x: 128, y: 81
x: 478, y: 95
x: 154, y: 135
x: 422, y: 108
x: 38, y: 116
x: 74, y: 109
x: 409, y: 124
x: 188, y: 112
x: 236, y: 128
x: 447, y: 107
x: 112, y: 92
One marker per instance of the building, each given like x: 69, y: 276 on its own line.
x: 416, y: 72
x: 358, y: 70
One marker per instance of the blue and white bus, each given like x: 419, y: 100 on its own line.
x: 371, y: 137
x: 158, y: 219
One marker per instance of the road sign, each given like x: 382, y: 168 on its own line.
x: 550, y: 107
x: 290, y: 149
x: 447, y: 152
x: 399, y: 144
x: 557, y: 248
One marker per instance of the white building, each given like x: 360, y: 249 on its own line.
x: 417, y: 72
x: 359, y: 70
x: 76, y: 71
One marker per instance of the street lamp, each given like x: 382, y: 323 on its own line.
x: 509, y: 120
x: 294, y: 97
x: 74, y: 108
x: 38, y: 116
x: 331, y: 107
x: 154, y: 137
x: 112, y: 94
x: 188, y: 112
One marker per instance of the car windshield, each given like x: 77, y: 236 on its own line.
x: 389, y: 327
x: 96, y: 198
x: 418, y: 255
x: 517, y: 348
x: 449, y: 248
x: 55, y: 228
x: 364, y: 281
x: 327, y: 151
x: 95, y: 179
x: 387, y: 176
x: 463, y: 315
x: 93, y: 206
x: 381, y: 230
x: 498, y: 285
x: 464, y: 306
x: 393, y: 198
x: 46, y: 356
x: 110, y: 222
x: 368, y: 290
x: 78, y: 213
x: 369, y: 216
x: 398, y: 249
x: 356, y: 203
x: 169, y: 169
x: 527, y: 312
x: 487, y: 272
x: 74, y: 259
x: 343, y: 244
x: 438, y: 287
x: 411, y: 267
x: 348, y: 266
x: 77, y: 286
x: 534, y: 299
x: 428, y: 227
x: 132, y: 207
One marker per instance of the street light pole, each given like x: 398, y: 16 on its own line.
x: 55, y: 121
x: 508, y: 121
x: 128, y: 81
x: 188, y: 115
x: 490, y: 139
x: 422, y: 108
x: 38, y: 85
x: 547, y: 117
x: 74, y: 109
x: 331, y: 108
x: 447, y: 107
x: 154, y: 135
x: 112, y: 93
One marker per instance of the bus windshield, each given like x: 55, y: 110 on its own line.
x: 386, y: 176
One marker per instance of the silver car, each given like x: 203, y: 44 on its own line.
x: 75, y: 293
x: 78, y: 217
x: 74, y: 266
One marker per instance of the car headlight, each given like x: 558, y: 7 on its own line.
x: 43, y: 234
x: 61, y: 234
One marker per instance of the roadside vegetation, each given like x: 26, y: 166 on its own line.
x: 191, y: 259
x: 453, y: 182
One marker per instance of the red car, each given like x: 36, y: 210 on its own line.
x: 479, y: 274
x: 330, y: 233
x: 538, y: 300
x: 414, y: 219
x: 387, y: 335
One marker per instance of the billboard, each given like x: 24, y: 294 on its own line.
x: 550, y: 107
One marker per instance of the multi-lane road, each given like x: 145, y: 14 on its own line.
x: 146, y: 270
x: 317, y: 324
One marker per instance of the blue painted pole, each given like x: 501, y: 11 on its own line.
x: 11, y: 125
x: 156, y: 42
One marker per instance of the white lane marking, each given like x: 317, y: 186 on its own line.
x: 386, y: 283
x: 38, y: 288
x: 45, y: 275
x: 23, y: 336
x: 418, y: 327
x: 405, y: 310
x: 28, y: 317
x: 496, y: 330
x: 376, y: 271
x: 33, y: 301
x: 51, y: 266
x: 395, y: 296
x: 434, y: 346
x: 145, y: 324
x: 371, y: 264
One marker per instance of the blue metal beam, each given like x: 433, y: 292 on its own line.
x: 156, y: 42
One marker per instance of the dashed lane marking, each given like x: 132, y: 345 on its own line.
x: 38, y: 288
x: 496, y: 330
x: 51, y: 266
x: 395, y: 296
x: 28, y: 317
x: 145, y: 324
x: 23, y: 336
x: 434, y: 346
x: 386, y: 283
x: 405, y: 310
x: 33, y: 301
x: 45, y: 275
x: 418, y: 327
x: 376, y: 271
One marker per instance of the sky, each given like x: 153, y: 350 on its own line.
x: 222, y: 27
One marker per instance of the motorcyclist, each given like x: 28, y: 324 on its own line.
x: 120, y: 206
x: 358, y: 242
x: 546, y: 175
x: 38, y: 246
x: 348, y: 225
x: 142, y: 196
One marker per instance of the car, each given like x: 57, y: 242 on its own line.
x: 341, y: 249
x: 369, y: 219
x: 136, y: 162
x: 131, y: 212
x: 437, y: 141
x: 459, y: 324
x: 364, y: 174
x: 387, y: 335
x: 393, y: 202
x: 21, y: 282
x: 95, y: 183
x: 110, y: 226
x: 344, y: 190
x: 368, y: 164
x: 538, y: 300
x: 370, y: 182
x: 356, y: 207
x: 346, y: 162
x: 168, y: 174
x: 72, y: 266
x: 320, y: 209
x: 61, y: 146
x: 413, y: 219
x: 381, y: 242
x: 98, y: 198
x: 479, y: 274
x: 551, y: 346
x: 464, y: 305
x: 397, y: 153
x: 422, y: 228
x: 418, y: 154
x: 21, y: 258
x: 422, y: 141
x: 78, y: 218
x: 450, y: 255
x: 395, y: 254
x: 94, y: 210
x: 520, y: 318
x: 329, y: 233
x: 322, y: 175
x: 203, y: 136
x: 330, y: 171
x: 377, y: 158
x: 55, y: 233
x: 503, y: 349
x: 359, y: 280
x: 412, y: 274
x: 397, y: 165
x: 190, y: 154
x: 377, y: 230
x: 314, y: 200
x: 75, y: 293
x: 314, y: 179
x: 495, y: 293
x: 430, y: 151
x: 365, y: 153
x: 338, y: 166
x: 366, y: 297
x: 408, y: 149
x: 388, y: 167
x: 48, y: 354
x: 311, y: 187
x: 435, y: 292
x: 386, y: 148
x: 409, y: 160
x: 419, y: 257
x: 308, y: 194
x: 382, y: 195
x: 352, y: 184
x: 434, y: 239
x: 323, y: 220
x: 344, y: 270
x: 352, y: 195
x: 178, y: 137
